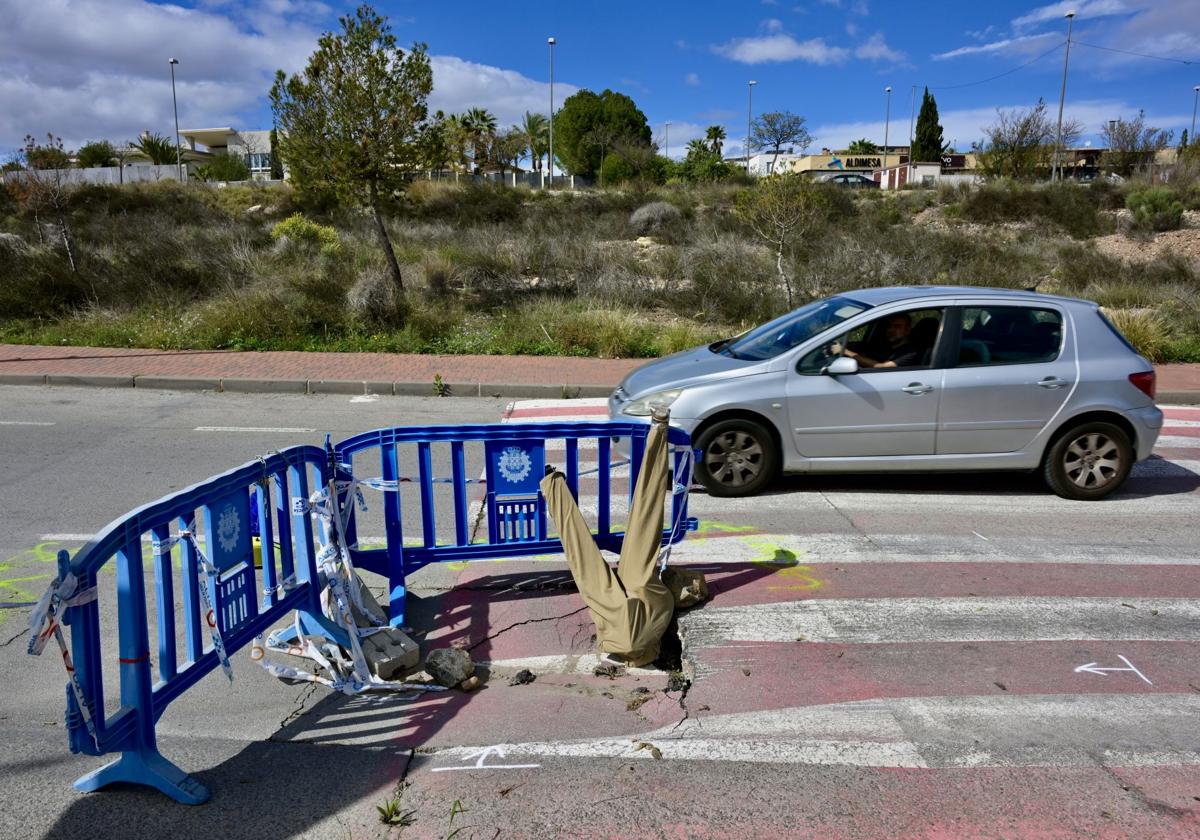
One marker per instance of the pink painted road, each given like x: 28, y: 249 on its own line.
x: 900, y: 657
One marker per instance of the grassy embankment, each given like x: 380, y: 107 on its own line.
x: 512, y: 271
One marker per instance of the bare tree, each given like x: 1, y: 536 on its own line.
x: 44, y: 188
x: 778, y: 129
x: 781, y: 209
x: 1131, y: 144
x: 1020, y: 144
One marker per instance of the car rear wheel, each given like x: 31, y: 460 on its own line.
x: 737, y: 458
x: 1089, y: 461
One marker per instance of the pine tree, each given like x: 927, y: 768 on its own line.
x: 927, y: 139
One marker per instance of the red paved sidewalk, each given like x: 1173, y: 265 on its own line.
x: 287, y: 371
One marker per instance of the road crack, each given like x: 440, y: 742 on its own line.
x: 849, y: 521
x: 14, y: 638
x: 301, y: 701
x: 526, y: 621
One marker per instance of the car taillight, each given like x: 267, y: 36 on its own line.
x: 1144, y: 382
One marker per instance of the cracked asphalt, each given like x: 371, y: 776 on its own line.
x: 953, y: 708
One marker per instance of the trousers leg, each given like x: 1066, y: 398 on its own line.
x: 601, y: 589
x: 643, y: 536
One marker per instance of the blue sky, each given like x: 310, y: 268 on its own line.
x: 686, y: 62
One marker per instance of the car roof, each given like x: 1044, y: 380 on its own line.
x: 894, y: 294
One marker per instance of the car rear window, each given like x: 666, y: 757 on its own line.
x: 1009, y: 335
x: 1116, y: 331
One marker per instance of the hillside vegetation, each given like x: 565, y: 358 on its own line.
x: 634, y: 272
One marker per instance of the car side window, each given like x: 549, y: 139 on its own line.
x: 1009, y: 335
x: 898, y: 340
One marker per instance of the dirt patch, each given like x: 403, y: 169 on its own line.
x: 1184, y: 242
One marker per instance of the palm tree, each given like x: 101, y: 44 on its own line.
x: 480, y: 124
x: 698, y: 149
x: 158, y: 148
x: 715, y: 135
x: 863, y: 146
x: 536, y: 129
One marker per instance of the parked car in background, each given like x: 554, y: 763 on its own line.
x: 912, y: 379
x: 850, y: 179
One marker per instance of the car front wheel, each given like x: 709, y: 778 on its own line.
x: 737, y: 458
x: 1088, y: 462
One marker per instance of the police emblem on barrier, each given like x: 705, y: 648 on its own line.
x: 515, y: 467
x: 229, y: 528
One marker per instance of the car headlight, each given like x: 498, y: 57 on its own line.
x: 644, y: 406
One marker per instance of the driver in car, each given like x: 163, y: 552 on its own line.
x: 898, y: 353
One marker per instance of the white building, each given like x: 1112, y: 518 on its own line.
x: 254, y: 147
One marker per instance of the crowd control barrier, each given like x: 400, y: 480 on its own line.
x: 204, y: 553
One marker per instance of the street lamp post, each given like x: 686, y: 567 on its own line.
x: 175, y: 107
x: 749, y: 119
x: 887, y: 122
x: 1056, y: 170
x: 1192, y: 136
x: 551, y: 41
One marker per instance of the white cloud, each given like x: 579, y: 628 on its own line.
x: 1022, y: 42
x: 91, y: 69
x: 692, y: 79
x: 851, y: 29
x: 1084, y: 10
x: 875, y: 48
x: 781, y: 47
x: 460, y: 84
x: 772, y: 25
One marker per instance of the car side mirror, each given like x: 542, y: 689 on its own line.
x: 842, y: 366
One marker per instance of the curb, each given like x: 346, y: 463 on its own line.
x: 311, y: 386
x: 241, y: 385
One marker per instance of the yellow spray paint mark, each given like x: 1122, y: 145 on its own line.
x: 43, y: 552
x: 783, y: 563
x: 710, y: 527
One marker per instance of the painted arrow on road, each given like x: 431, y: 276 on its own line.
x: 482, y: 754
x: 1092, y: 669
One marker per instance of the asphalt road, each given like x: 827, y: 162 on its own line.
x: 882, y: 656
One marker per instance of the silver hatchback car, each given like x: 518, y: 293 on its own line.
x: 913, y: 379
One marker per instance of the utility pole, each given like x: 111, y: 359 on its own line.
x: 551, y: 42
x: 887, y: 122
x: 1056, y: 170
x: 749, y: 119
x: 175, y: 107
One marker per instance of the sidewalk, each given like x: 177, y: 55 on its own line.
x: 365, y: 373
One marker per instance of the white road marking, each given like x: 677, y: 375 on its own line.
x: 279, y: 430
x: 65, y: 537
x: 1179, y: 441
x: 1005, y: 619
x: 1092, y: 669
x: 26, y: 423
x: 935, y: 732
x: 482, y: 755
x: 1171, y: 422
x: 365, y: 398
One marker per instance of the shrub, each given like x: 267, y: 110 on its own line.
x: 1145, y: 329
x: 654, y: 218
x: 1155, y: 209
x: 374, y: 299
x: 1080, y: 266
x: 728, y: 280
x: 1069, y: 206
x: 296, y: 228
x: 224, y: 167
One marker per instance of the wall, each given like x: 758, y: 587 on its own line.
x: 106, y: 174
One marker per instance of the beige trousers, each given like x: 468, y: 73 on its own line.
x: 631, y: 607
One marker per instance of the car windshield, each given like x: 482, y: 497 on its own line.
x: 790, y: 330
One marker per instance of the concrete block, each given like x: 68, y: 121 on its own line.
x: 22, y: 379
x: 265, y: 386
x: 178, y: 383
x: 391, y: 654
x: 383, y: 389
x: 1178, y: 398
x: 89, y: 381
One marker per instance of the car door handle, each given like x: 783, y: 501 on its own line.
x: 1053, y: 382
x: 917, y: 388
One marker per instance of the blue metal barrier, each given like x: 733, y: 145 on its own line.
x: 236, y: 618
x: 515, y: 512
x: 221, y: 593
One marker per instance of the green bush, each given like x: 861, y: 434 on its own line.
x: 1145, y: 329
x: 296, y: 228
x: 1071, y: 207
x: 224, y: 167
x: 1155, y: 209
